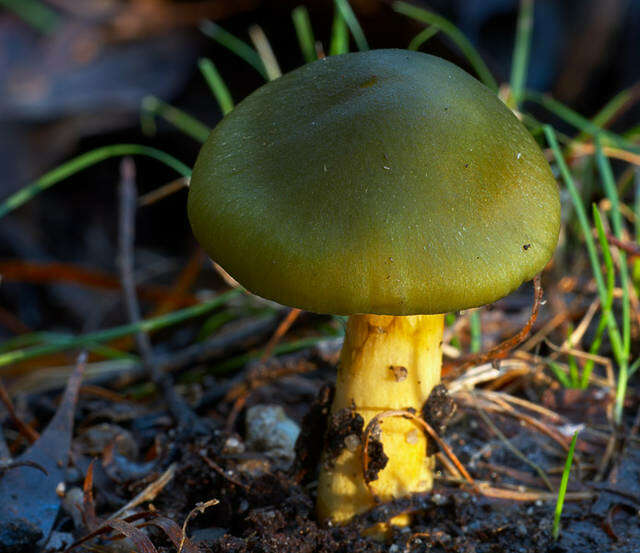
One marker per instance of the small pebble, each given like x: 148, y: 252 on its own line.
x: 352, y: 442
x: 233, y: 446
x: 400, y: 373
x: 61, y: 488
x: 412, y: 437
x: 271, y: 431
x: 438, y: 499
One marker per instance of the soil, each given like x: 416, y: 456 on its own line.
x: 264, y: 506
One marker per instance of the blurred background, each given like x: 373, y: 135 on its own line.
x: 74, y: 76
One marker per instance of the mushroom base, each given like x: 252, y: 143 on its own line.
x: 387, y: 363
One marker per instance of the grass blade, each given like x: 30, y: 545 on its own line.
x: 576, y: 120
x: 563, y: 487
x: 611, y: 191
x: 281, y: 349
x: 455, y: 34
x: 612, y: 327
x: 475, y: 330
x: 304, y: 32
x: 580, y: 210
x: 237, y: 46
x: 606, y: 306
x: 636, y: 204
x: 521, y: 53
x: 636, y: 210
x: 152, y: 107
x: 422, y: 37
x: 620, y: 103
x: 35, y: 13
x: 352, y: 22
x: 83, y: 161
x: 621, y: 352
x: 145, y: 325
x: 216, y: 84
x: 559, y: 374
x: 263, y: 47
x: 339, y: 43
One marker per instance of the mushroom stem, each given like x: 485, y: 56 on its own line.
x: 387, y: 362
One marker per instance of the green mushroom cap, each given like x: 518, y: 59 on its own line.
x: 387, y: 182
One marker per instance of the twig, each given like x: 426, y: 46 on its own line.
x: 25, y: 429
x: 197, y: 510
x: 182, y: 284
x: 149, y: 493
x: 494, y: 404
x: 604, y: 361
x: 525, y: 477
x: 282, y: 329
x: 415, y: 536
x: 547, y: 328
x: 6, y: 464
x: 248, y: 332
x: 215, y: 466
x: 487, y: 372
x: 184, y: 417
x: 581, y: 150
x: 448, y: 465
x: 40, y: 272
x: 501, y: 350
x: 163, y: 191
x: 578, y: 333
x: 606, y: 458
x: 515, y: 495
x: 514, y: 449
x: 552, y: 415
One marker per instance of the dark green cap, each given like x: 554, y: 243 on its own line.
x: 386, y: 182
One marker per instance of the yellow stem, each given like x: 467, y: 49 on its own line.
x: 386, y: 363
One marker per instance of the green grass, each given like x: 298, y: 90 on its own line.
x: 612, y: 108
x: 339, y: 43
x: 304, y: 32
x: 620, y: 340
x: 236, y: 45
x: 475, y: 331
x: 35, y: 13
x: 83, y: 161
x: 423, y: 36
x: 154, y: 107
x: 563, y: 487
x: 521, y: 54
x: 456, y: 36
x: 352, y: 22
x: 589, y: 128
x: 216, y: 84
x: 101, y: 336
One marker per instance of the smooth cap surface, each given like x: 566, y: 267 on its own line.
x: 387, y: 182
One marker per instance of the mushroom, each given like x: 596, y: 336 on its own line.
x: 389, y: 186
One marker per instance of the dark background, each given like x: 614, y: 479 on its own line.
x: 80, y: 87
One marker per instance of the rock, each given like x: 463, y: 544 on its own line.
x: 269, y: 430
x: 96, y: 438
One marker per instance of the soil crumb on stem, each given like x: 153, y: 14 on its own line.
x: 437, y: 412
x: 377, y: 458
x: 341, y: 425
